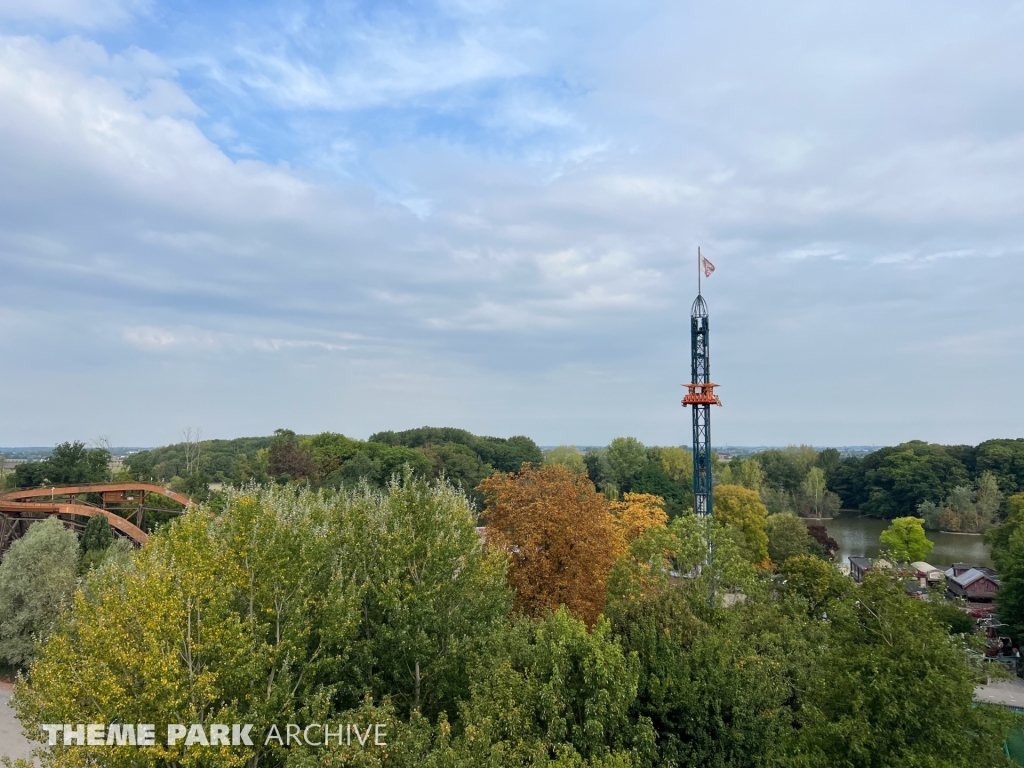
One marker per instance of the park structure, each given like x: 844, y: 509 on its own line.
x: 701, y: 396
x: 123, y: 504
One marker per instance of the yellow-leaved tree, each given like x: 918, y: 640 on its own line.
x: 740, y: 511
x: 637, y: 513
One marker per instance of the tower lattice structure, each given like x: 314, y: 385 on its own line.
x: 701, y: 395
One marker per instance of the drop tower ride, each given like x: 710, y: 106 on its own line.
x: 701, y: 395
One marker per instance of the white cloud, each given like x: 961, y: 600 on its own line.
x: 813, y: 251
x: 190, y: 339
x: 521, y: 217
x: 392, y: 64
x: 149, y: 338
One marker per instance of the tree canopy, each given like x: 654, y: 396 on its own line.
x: 905, y: 540
x: 385, y: 604
x: 876, y: 705
x: 1007, y: 542
x: 68, y: 464
x: 558, y: 534
x: 37, y: 578
x: 896, y: 481
x: 787, y: 537
x: 568, y: 456
x: 740, y: 510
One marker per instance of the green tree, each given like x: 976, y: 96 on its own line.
x: 828, y: 460
x: 898, y: 479
x: 961, y: 499
x: 745, y: 472
x: 97, y: 534
x: 330, y: 451
x: 37, y: 578
x: 195, y: 485
x: 393, y: 461
x: 513, y: 453
x: 239, y: 460
x: 68, y: 464
x: 1005, y: 460
x: 1007, y: 542
x: 678, y: 464
x: 653, y: 479
x: 599, y: 471
x: 568, y: 456
x: 505, y: 455
x: 787, y: 537
x: 626, y: 459
x: 361, y: 468
x: 225, y: 616
x: 814, y: 580
x: 552, y: 690
x: 719, y: 686
x: 786, y: 469
x: 140, y: 465
x: 460, y: 464
x: 987, y: 499
x: 930, y: 514
x: 342, y: 462
x: 740, y: 511
x: 284, y: 608
x: 815, y: 500
x: 750, y: 474
x: 74, y: 463
x: 428, y: 593
x: 999, y: 537
x: 954, y: 617
x: 250, y: 470
x: 960, y: 513
x: 847, y: 479
x: 872, y: 701
x: 904, y: 540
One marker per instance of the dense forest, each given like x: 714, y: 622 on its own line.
x: 952, y: 488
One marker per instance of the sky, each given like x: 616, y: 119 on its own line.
x: 345, y: 216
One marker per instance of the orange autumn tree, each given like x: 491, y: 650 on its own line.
x: 560, y: 538
x: 638, y: 513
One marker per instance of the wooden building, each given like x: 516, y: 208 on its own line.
x: 973, y: 583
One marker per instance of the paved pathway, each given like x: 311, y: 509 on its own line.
x: 12, y: 743
x: 1007, y: 691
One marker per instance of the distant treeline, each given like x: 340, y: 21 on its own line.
x: 954, y: 487
x: 331, y: 460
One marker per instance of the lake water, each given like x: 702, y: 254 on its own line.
x: 858, y: 536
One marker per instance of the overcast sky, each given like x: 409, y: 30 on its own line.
x: 363, y: 216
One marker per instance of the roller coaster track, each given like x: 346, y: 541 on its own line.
x: 17, y: 511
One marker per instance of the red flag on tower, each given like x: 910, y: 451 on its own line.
x: 708, y: 266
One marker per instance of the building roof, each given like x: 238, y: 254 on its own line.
x: 921, y: 565
x: 967, y: 578
x: 860, y: 562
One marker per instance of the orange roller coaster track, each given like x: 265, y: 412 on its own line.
x: 17, y: 512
